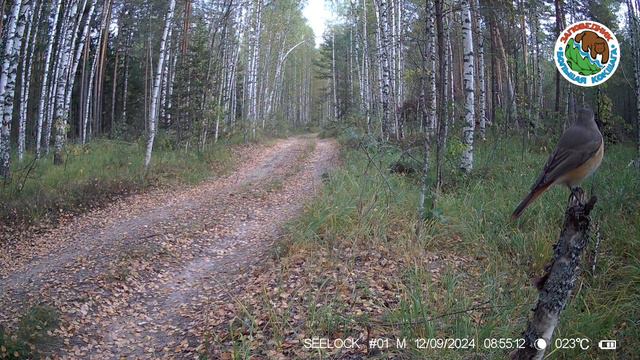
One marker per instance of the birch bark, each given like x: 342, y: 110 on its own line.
x: 334, y: 83
x: 482, y: 98
x: 366, y: 92
x: 82, y: 42
x: 20, y: 11
x: 633, y: 11
x: 153, y: 108
x: 428, y: 111
x: 61, y: 115
x: 466, y: 163
x: 27, y: 67
x: 44, y: 92
x: 383, y: 51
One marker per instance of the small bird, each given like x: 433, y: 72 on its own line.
x: 578, y: 155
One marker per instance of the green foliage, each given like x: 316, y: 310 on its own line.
x: 455, y: 148
x: 32, y: 335
x: 604, y: 11
x: 579, y: 63
x: 605, y: 115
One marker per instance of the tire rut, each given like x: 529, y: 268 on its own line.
x: 137, y: 288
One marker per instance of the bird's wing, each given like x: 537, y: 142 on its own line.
x: 576, y: 146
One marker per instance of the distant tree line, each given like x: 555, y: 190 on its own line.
x: 75, y: 70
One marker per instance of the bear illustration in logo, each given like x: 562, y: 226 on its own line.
x: 582, y: 53
x: 594, y: 44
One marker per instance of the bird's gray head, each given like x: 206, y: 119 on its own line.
x: 585, y: 117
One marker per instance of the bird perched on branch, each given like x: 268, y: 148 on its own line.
x: 578, y: 155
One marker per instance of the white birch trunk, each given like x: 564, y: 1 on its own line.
x: 431, y: 76
x: 44, y: 93
x: 61, y: 115
x: 27, y: 67
x: 271, y: 90
x: 334, y: 83
x: 59, y: 80
x: 429, y: 111
x: 383, y: 51
x: 82, y: 41
x: 15, y: 30
x: 87, y: 110
x: 633, y: 13
x: 254, y: 54
x: 377, y: 100
x: 263, y: 80
x: 466, y: 163
x: 165, y: 84
x: 172, y: 78
x: 366, y: 92
x: 153, y: 108
x: 482, y: 97
x: 401, y: 61
x: 451, y: 116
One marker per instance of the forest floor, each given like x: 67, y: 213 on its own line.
x: 138, y: 278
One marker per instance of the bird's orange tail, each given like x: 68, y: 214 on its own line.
x: 533, y: 195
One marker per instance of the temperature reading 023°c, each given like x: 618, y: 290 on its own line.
x: 572, y: 343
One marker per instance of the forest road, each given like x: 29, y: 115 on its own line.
x: 145, y: 276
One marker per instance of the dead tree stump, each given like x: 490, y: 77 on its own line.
x: 559, y: 279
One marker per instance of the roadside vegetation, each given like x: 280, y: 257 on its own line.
x: 352, y: 265
x: 105, y: 169
x: 32, y: 337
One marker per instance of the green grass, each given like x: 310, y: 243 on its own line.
x: 364, y: 206
x: 32, y: 337
x: 99, y: 171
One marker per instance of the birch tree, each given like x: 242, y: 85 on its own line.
x: 365, y: 84
x: 466, y: 163
x: 27, y: 66
x: 382, y: 11
x: 429, y: 108
x: 633, y: 15
x: 44, y: 93
x: 79, y: 51
x: 334, y: 82
x: 153, y: 108
x: 64, y: 73
x: 482, y: 99
x: 253, y: 65
x: 20, y: 11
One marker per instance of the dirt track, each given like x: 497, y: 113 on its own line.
x: 137, y: 279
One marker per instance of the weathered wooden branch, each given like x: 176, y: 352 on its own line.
x: 560, y: 278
